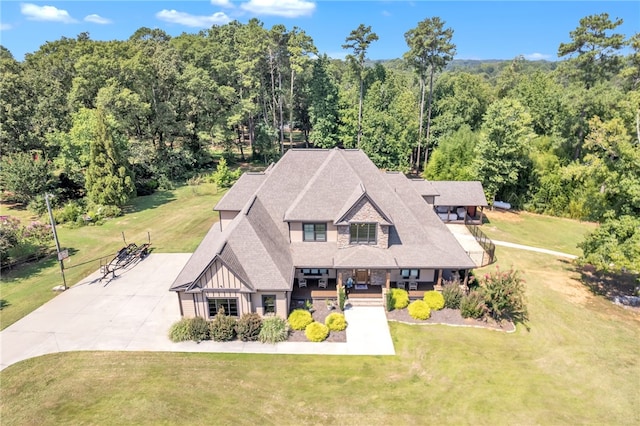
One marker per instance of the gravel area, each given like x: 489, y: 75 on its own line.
x: 449, y: 317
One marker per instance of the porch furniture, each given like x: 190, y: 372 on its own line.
x: 413, y: 285
x: 322, y: 283
x: 400, y: 284
x: 302, y: 283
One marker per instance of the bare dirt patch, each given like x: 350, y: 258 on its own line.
x: 503, y: 215
x: 449, y: 317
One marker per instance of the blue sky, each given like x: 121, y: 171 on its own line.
x: 482, y: 30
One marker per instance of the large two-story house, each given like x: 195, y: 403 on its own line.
x: 318, y: 218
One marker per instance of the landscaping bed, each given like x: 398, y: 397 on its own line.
x: 320, y: 312
x: 449, y: 317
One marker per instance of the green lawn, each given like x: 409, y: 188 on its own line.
x: 548, y: 232
x: 176, y: 220
x: 575, y: 364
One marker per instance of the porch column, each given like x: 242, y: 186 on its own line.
x: 466, y: 280
x: 339, y: 282
x: 439, y: 281
x: 481, y: 212
x: 388, y: 283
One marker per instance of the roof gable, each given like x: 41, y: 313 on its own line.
x: 359, y: 211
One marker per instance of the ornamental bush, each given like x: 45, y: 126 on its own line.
x: 274, y: 329
x: 419, y: 309
x: 504, y: 295
x: 400, y: 298
x: 299, y: 319
x: 472, y: 305
x: 335, y: 322
x: 452, y: 294
x: 223, y: 327
x: 248, y: 327
x: 434, y: 299
x: 316, y: 332
x: 196, y: 329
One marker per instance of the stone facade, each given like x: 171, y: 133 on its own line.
x: 378, y: 277
x: 364, y: 212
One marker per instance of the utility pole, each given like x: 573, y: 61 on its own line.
x: 61, y: 255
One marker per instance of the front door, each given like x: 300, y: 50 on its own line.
x: 362, y: 276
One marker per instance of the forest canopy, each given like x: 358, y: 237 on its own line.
x: 131, y: 116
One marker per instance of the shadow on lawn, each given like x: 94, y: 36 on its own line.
x: 147, y: 202
x: 608, y: 285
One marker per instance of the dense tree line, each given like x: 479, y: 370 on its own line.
x: 107, y: 120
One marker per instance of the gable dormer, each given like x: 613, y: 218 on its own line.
x: 363, y: 222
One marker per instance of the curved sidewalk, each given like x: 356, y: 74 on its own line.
x: 135, y: 311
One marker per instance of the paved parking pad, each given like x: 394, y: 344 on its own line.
x: 135, y: 311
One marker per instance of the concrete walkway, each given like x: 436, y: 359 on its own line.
x: 536, y: 249
x: 135, y: 311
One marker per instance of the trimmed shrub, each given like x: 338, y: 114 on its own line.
x: 389, y: 301
x: 248, y: 327
x: 300, y: 319
x: 452, y: 294
x: 400, y: 298
x: 180, y: 331
x: 434, y: 299
x: 342, y: 297
x: 335, y: 322
x: 419, y: 309
x: 316, y: 332
x: 472, y: 305
x: 196, y: 329
x: 223, y: 327
x: 274, y: 329
x: 504, y: 295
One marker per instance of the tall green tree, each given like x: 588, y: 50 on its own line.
x: 502, y: 159
x: 430, y: 49
x: 592, y: 57
x: 453, y: 158
x: 25, y: 176
x: 323, y: 105
x: 359, y: 41
x: 299, y: 46
x: 614, y: 246
x: 108, y: 180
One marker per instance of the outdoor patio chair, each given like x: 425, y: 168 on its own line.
x: 413, y: 285
x: 302, y: 283
x: 400, y: 284
x: 322, y: 283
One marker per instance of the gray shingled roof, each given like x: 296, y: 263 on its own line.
x: 459, y: 193
x: 424, y: 187
x: 322, y: 185
x: 241, y: 192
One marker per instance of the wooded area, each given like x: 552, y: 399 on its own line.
x: 98, y: 122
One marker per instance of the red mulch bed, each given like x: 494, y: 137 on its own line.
x: 449, y: 317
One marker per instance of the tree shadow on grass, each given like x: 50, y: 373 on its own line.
x: 3, y: 304
x: 147, y: 202
x: 608, y: 285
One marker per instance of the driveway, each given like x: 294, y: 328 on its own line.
x: 135, y: 311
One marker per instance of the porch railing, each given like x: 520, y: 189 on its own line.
x: 488, y: 257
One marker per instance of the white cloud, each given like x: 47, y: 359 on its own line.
x: 285, y: 8
x: 97, y: 19
x: 5, y: 27
x: 34, y: 12
x: 222, y: 3
x: 386, y: 13
x: 536, y: 56
x: 198, y: 21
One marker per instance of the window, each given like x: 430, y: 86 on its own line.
x: 363, y: 233
x: 315, y: 231
x: 230, y: 306
x: 410, y: 273
x: 269, y: 303
x: 315, y: 272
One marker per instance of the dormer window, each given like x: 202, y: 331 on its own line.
x: 363, y: 233
x: 315, y: 231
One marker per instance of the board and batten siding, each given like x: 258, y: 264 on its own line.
x: 282, y: 302
x: 218, y: 276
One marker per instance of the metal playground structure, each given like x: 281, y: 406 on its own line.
x: 127, y: 255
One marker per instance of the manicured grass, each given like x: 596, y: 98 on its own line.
x: 548, y: 232
x: 176, y: 220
